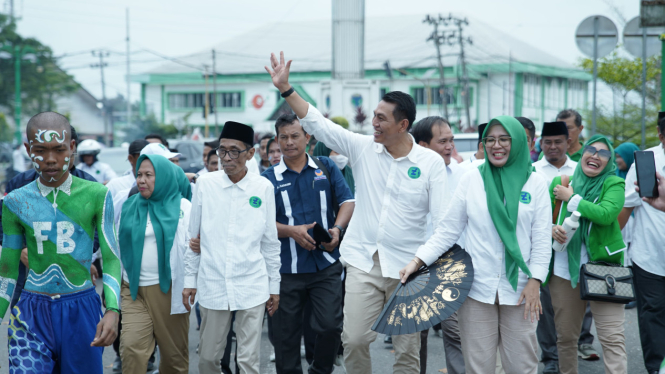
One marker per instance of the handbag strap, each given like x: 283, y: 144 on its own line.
x: 565, y: 181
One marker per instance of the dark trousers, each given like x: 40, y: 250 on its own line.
x: 650, y: 290
x: 323, y: 290
x: 226, y: 359
x: 423, y: 351
x: 546, y: 332
x: 585, y: 336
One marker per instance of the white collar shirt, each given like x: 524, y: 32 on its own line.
x: 393, y: 196
x: 468, y: 210
x: 646, y: 249
x: 238, y: 267
x: 121, y: 183
x: 102, y: 172
x: 549, y: 171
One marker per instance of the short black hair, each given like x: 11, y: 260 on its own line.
x: 214, y: 144
x: 422, y: 130
x: 268, y: 135
x: 567, y: 113
x: 529, y: 126
x: 661, y: 126
x: 75, y: 136
x: 405, y: 106
x: 286, y: 120
x: 213, y: 152
x: 157, y: 136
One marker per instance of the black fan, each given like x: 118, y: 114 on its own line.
x: 429, y: 296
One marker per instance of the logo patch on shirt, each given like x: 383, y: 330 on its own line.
x: 98, y: 171
x: 525, y: 197
x: 182, y: 214
x: 255, y: 202
x: 319, y: 175
x: 414, y: 172
x: 284, y: 185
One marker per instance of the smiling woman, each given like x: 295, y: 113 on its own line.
x: 598, y: 195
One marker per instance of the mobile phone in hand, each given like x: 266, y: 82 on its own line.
x: 645, y: 168
x: 321, y: 235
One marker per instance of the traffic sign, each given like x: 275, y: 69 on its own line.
x: 632, y: 38
x: 598, y: 28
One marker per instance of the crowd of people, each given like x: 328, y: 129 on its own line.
x: 313, y: 240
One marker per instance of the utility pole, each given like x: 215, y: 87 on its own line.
x: 129, y: 101
x: 460, y: 39
x: 206, y: 108
x: 11, y: 11
x: 101, y: 54
x: 214, y: 90
x: 438, y: 40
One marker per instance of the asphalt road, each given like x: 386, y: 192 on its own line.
x: 382, y: 354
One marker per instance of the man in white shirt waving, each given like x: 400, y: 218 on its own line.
x: 398, y: 183
x: 237, y: 268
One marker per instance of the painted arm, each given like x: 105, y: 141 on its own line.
x: 13, y: 242
x: 108, y: 246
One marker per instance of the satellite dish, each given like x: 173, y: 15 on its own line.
x: 608, y: 36
x: 632, y: 38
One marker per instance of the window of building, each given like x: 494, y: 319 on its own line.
x: 197, y: 100
x: 383, y: 91
x: 436, y: 95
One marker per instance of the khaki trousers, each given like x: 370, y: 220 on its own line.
x: 366, y: 294
x: 215, y: 325
x: 146, y: 320
x: 486, y: 327
x: 569, y: 312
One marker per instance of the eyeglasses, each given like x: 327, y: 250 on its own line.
x: 603, y: 154
x: 504, y: 141
x: 233, y: 154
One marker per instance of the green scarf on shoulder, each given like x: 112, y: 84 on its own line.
x: 503, y: 189
x: 164, y: 209
x: 589, y: 189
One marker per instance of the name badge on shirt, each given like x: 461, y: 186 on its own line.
x: 525, y: 197
x: 254, y: 202
x: 414, y: 172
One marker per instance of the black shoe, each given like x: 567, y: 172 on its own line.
x: 631, y: 304
x: 151, y: 366
x: 117, y: 365
x: 551, y: 367
x: 388, y: 339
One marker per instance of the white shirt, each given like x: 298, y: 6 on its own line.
x: 549, y: 171
x: 177, y: 259
x: 102, y: 172
x: 455, y: 172
x: 202, y: 171
x: 393, y: 196
x: 647, y: 248
x: 468, y: 209
x: 149, y: 275
x: 561, y: 268
x: 121, y: 183
x: 238, y: 267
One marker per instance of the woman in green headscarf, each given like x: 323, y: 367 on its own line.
x: 153, y: 238
x: 505, y: 209
x: 625, y: 156
x: 598, y: 195
x: 341, y: 161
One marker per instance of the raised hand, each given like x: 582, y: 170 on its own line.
x: 279, y: 72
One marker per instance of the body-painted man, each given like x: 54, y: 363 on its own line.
x: 57, y: 325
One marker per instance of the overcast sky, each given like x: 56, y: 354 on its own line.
x: 179, y: 27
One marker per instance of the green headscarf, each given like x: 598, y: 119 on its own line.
x: 322, y: 150
x: 505, y: 184
x: 164, y: 209
x: 589, y: 189
x: 626, y: 151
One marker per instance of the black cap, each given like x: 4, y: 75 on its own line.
x: 214, y: 144
x: 237, y: 131
x: 137, y: 146
x: 554, y: 129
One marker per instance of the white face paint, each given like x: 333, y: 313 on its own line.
x: 44, y: 136
x: 66, y: 159
x: 50, y: 135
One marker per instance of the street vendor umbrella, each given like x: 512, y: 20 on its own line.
x: 429, y: 296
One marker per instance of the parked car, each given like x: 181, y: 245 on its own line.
x: 191, y: 160
x: 466, y: 144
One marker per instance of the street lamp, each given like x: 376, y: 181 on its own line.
x: 19, y: 53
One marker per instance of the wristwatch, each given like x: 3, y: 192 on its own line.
x: 341, y: 231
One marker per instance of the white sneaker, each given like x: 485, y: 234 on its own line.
x: 339, y: 361
x: 272, y: 356
x: 303, y: 353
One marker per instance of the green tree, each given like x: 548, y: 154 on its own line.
x: 622, y: 122
x: 6, y: 133
x: 42, y: 83
x: 148, y: 125
x: 341, y: 121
